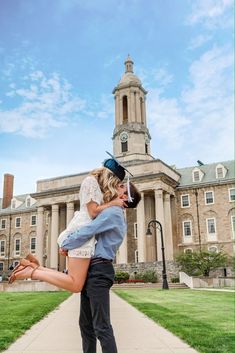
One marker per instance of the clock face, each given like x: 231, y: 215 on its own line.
x: 124, y: 136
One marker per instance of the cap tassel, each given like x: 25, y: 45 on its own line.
x: 130, y: 199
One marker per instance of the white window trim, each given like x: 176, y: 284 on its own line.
x: 233, y: 229
x: 26, y: 202
x: 229, y: 195
x: 3, y: 254
x: 211, y: 203
x: 224, y: 171
x: 33, y: 225
x: 4, y: 219
x: 135, y: 230
x: 15, y: 222
x: 187, y: 238
x: 201, y: 174
x: 136, y: 256
x: 16, y: 254
x: 182, y: 206
x: 211, y: 235
x: 33, y: 251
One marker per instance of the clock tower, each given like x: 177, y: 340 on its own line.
x: 131, y: 138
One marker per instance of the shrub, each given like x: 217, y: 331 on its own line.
x: 121, y: 276
x: 148, y: 276
x: 175, y: 280
x: 201, y: 262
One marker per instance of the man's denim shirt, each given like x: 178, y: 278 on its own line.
x: 109, y: 228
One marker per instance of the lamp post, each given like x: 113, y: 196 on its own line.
x: 157, y: 225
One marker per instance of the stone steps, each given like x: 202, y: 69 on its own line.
x: 148, y: 285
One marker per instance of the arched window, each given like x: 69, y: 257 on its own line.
x: 125, y: 109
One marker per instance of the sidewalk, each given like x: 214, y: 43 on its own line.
x: 135, y: 333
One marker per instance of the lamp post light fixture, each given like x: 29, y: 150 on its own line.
x: 156, y: 224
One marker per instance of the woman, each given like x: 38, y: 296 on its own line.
x: 102, y: 185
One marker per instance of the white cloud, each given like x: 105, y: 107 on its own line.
x: 45, y: 102
x: 201, y: 120
x: 212, y: 13
x: 199, y: 41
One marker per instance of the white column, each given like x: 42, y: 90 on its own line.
x: 54, y: 236
x: 39, y: 241
x: 69, y: 212
x: 141, y: 240
x: 132, y: 105
x: 168, y: 239
x: 159, y: 210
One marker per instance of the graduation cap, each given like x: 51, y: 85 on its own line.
x: 114, y: 165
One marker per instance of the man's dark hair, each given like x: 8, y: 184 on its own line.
x: 136, y: 196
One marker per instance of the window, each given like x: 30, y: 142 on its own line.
x: 188, y: 251
x: 196, y: 176
x: 13, y: 204
x: 33, y: 245
x: 28, y: 202
x: 33, y: 220
x: 17, y: 246
x: 231, y: 195
x: 2, y: 248
x: 209, y: 197
x: 213, y: 249
x: 185, y: 201
x: 135, y: 231
x: 211, y: 228
x: 1, y: 266
x: 146, y: 148
x: 187, y: 229
x: 136, y: 256
x: 219, y: 172
x: 125, y: 109
x: 233, y: 225
x: 18, y: 222
x: 124, y: 146
x: 3, y: 223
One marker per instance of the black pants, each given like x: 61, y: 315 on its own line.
x: 94, y: 318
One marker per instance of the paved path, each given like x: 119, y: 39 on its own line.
x: 135, y: 333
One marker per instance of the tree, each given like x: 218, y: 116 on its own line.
x: 201, y: 262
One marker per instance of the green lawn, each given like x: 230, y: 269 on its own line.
x: 203, y: 319
x: 19, y: 311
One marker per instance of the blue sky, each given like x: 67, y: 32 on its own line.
x: 61, y: 59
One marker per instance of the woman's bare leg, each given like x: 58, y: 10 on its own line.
x: 73, y: 281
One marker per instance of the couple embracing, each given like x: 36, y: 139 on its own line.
x: 91, y: 241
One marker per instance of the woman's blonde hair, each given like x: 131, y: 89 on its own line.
x: 107, y: 181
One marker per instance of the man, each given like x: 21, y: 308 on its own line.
x: 110, y: 228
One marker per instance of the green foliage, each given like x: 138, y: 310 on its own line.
x: 201, y: 262
x: 175, y: 280
x: 147, y: 276
x: 121, y: 276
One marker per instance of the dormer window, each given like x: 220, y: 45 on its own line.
x: 220, y: 171
x: 197, y: 175
x: 13, y: 204
x: 28, y: 202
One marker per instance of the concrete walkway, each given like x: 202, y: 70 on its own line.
x: 135, y: 333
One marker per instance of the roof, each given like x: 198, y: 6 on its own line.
x: 209, y: 171
x: 21, y: 208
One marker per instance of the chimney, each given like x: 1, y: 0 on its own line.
x: 7, y: 190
